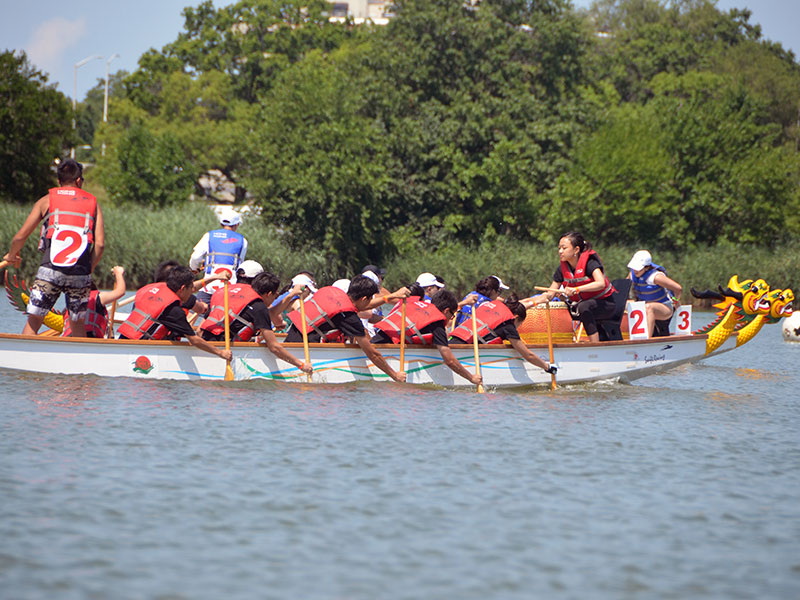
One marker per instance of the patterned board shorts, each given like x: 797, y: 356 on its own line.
x: 50, y: 284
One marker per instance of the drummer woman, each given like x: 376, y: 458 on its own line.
x: 587, y: 289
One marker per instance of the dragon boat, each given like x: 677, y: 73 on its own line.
x: 744, y: 308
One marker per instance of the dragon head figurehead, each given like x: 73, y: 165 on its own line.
x: 751, y: 293
x: 780, y: 304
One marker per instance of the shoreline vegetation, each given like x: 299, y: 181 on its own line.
x: 139, y: 238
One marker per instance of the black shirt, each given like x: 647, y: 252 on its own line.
x: 347, y: 323
x: 437, y: 330
x: 256, y: 313
x: 507, y: 330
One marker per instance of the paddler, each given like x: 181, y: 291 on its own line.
x: 72, y: 240
x: 157, y: 313
x: 332, y: 314
x: 486, y: 290
x: 248, y: 304
x: 498, y: 322
x: 425, y: 324
x: 96, y: 321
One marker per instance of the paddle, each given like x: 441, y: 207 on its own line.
x: 304, y: 332
x: 475, y: 346
x: 228, y: 370
x: 110, y: 334
x: 403, y: 335
x: 550, y: 345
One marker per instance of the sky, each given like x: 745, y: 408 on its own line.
x: 57, y: 35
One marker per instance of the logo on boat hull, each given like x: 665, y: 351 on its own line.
x: 142, y: 365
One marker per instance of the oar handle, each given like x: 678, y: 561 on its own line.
x: 228, y: 369
x: 110, y: 334
x: 550, y: 344
x: 304, y: 333
x: 539, y: 288
x: 475, y: 346
x: 126, y: 301
x: 403, y: 336
x: 3, y: 264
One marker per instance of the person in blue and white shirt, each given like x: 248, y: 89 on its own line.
x: 220, y: 250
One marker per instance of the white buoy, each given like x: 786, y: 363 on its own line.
x: 791, y: 327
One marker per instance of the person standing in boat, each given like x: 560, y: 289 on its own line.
x: 96, y: 321
x: 157, y: 313
x: 426, y: 323
x: 222, y: 250
x: 248, y: 299
x: 72, y: 240
x: 582, y: 280
x: 498, y: 322
x: 332, y: 315
x: 650, y: 284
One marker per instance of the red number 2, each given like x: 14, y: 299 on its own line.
x: 638, y: 322
x: 74, y: 240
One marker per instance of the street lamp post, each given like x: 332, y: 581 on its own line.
x: 78, y: 64
x: 105, y: 95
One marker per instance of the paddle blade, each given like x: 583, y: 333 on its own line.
x: 228, y: 372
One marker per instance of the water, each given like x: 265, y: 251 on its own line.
x: 683, y: 485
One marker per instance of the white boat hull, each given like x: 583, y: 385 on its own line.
x: 501, y: 366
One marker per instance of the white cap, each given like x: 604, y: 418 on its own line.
x: 250, y: 268
x: 427, y: 279
x: 230, y: 218
x: 304, y: 280
x: 503, y: 286
x: 342, y: 284
x: 372, y: 276
x: 640, y: 260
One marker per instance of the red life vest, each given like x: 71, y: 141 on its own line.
x: 418, y: 316
x: 239, y: 296
x: 150, y: 302
x: 581, y: 277
x: 488, y: 316
x: 68, y: 230
x: 96, y: 321
x: 320, y: 308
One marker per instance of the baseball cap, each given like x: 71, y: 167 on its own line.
x: 375, y: 269
x: 502, y: 285
x: 304, y: 280
x: 342, y: 284
x: 371, y: 275
x: 250, y: 268
x: 428, y: 279
x: 230, y: 218
x: 640, y: 260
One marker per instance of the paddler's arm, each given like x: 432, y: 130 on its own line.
x: 670, y: 284
x: 34, y: 218
x: 198, y: 342
x: 291, y: 296
x: 451, y: 361
x: 99, y: 238
x: 201, y: 283
x: 381, y: 299
x: 274, y: 346
x: 119, y: 286
x: 377, y: 359
x: 525, y: 353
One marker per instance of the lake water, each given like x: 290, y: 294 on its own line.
x: 682, y: 485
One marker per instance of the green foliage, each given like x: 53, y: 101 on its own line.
x: 148, y: 169
x: 34, y: 128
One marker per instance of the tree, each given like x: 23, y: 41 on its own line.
x: 35, y: 128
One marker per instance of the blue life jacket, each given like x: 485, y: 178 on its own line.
x: 466, y: 311
x: 224, y: 248
x: 650, y: 292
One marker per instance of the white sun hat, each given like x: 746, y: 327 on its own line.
x: 640, y: 260
x: 250, y: 268
x: 303, y: 279
x: 427, y: 279
x: 503, y: 286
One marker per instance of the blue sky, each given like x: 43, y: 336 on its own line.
x: 56, y: 35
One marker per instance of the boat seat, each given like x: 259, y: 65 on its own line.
x: 661, y: 328
x: 609, y: 329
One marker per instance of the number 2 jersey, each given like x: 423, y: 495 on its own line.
x: 67, y: 238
